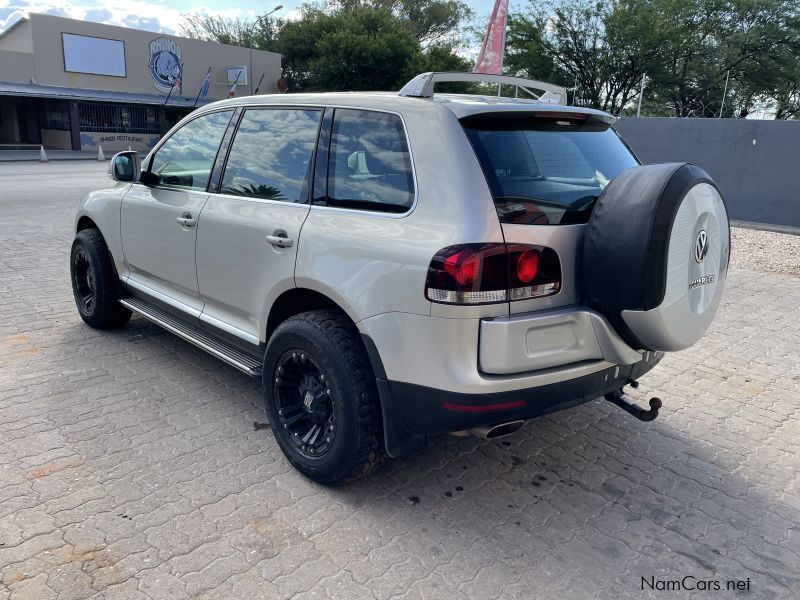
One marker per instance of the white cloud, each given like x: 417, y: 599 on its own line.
x: 293, y: 15
x: 139, y: 14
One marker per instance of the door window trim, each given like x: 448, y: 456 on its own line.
x: 218, y: 168
x: 322, y: 160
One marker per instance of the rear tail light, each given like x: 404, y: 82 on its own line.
x: 489, y: 273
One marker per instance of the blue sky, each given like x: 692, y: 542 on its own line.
x: 165, y: 16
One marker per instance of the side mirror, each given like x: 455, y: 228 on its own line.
x: 125, y: 166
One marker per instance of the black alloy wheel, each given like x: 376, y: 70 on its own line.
x: 305, y: 403
x: 83, y: 281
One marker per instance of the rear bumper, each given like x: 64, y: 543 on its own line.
x: 544, y: 340
x: 489, y: 356
x: 412, y: 412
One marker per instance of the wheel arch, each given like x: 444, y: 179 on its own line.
x: 298, y: 300
x: 86, y: 222
x: 295, y: 301
x: 83, y: 222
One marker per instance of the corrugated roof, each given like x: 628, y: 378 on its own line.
x: 48, y: 91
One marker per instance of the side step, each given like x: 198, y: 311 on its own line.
x: 194, y: 335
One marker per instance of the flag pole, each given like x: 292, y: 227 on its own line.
x: 200, y: 91
x: 233, y: 87
x: 259, y: 84
x: 180, y: 75
x: 502, y: 52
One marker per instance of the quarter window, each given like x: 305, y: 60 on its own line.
x: 370, y: 164
x: 186, y: 158
x: 271, y: 154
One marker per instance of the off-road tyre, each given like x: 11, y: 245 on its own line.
x: 323, y: 347
x: 95, y: 286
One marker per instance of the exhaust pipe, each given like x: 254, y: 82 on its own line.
x: 497, y: 431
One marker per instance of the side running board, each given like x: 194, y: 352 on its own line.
x: 194, y: 335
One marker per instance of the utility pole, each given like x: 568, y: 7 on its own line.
x: 252, y: 29
x: 724, y: 93
x: 641, y: 93
x: 575, y: 91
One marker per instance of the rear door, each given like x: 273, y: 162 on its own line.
x: 159, y: 220
x: 545, y: 171
x: 249, y: 229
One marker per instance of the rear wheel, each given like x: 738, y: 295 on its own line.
x: 94, y: 282
x: 321, y: 398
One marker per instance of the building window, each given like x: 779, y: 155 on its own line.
x: 56, y: 116
x: 117, y: 118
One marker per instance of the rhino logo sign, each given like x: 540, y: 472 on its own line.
x: 165, y: 63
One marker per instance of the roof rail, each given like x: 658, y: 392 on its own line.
x: 422, y: 85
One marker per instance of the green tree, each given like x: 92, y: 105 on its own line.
x: 601, y: 48
x: 704, y: 43
x: 236, y: 32
x: 528, y: 53
x: 431, y: 22
x: 436, y: 58
x: 687, y: 49
x: 360, y: 49
x: 787, y: 99
x: 349, y: 45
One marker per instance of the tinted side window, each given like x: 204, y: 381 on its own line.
x: 186, y: 158
x: 271, y: 154
x: 369, y: 165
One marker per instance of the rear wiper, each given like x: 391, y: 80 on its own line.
x: 529, y: 200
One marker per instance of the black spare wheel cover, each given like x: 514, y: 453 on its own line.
x: 656, y: 253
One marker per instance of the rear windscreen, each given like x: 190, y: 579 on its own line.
x: 547, y: 169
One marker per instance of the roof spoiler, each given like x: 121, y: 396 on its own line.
x: 422, y: 85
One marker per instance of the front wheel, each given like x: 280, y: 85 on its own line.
x: 94, y: 282
x: 321, y: 398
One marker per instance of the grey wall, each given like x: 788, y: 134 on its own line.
x: 755, y: 163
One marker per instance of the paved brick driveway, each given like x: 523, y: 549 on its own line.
x: 134, y: 466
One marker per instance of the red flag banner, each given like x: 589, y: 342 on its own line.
x: 490, y: 59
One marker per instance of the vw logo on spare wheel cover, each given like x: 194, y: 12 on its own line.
x: 701, y: 246
x: 165, y: 63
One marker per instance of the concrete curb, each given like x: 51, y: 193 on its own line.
x: 788, y: 229
x: 4, y: 159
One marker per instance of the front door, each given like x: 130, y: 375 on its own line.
x: 248, y: 233
x: 159, y: 220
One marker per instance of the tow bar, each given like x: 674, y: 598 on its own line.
x: 619, y: 398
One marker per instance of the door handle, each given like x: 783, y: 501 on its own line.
x: 187, y: 221
x: 280, y: 239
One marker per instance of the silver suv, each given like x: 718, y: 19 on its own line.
x: 394, y: 266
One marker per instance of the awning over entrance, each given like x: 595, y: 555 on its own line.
x: 48, y: 91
